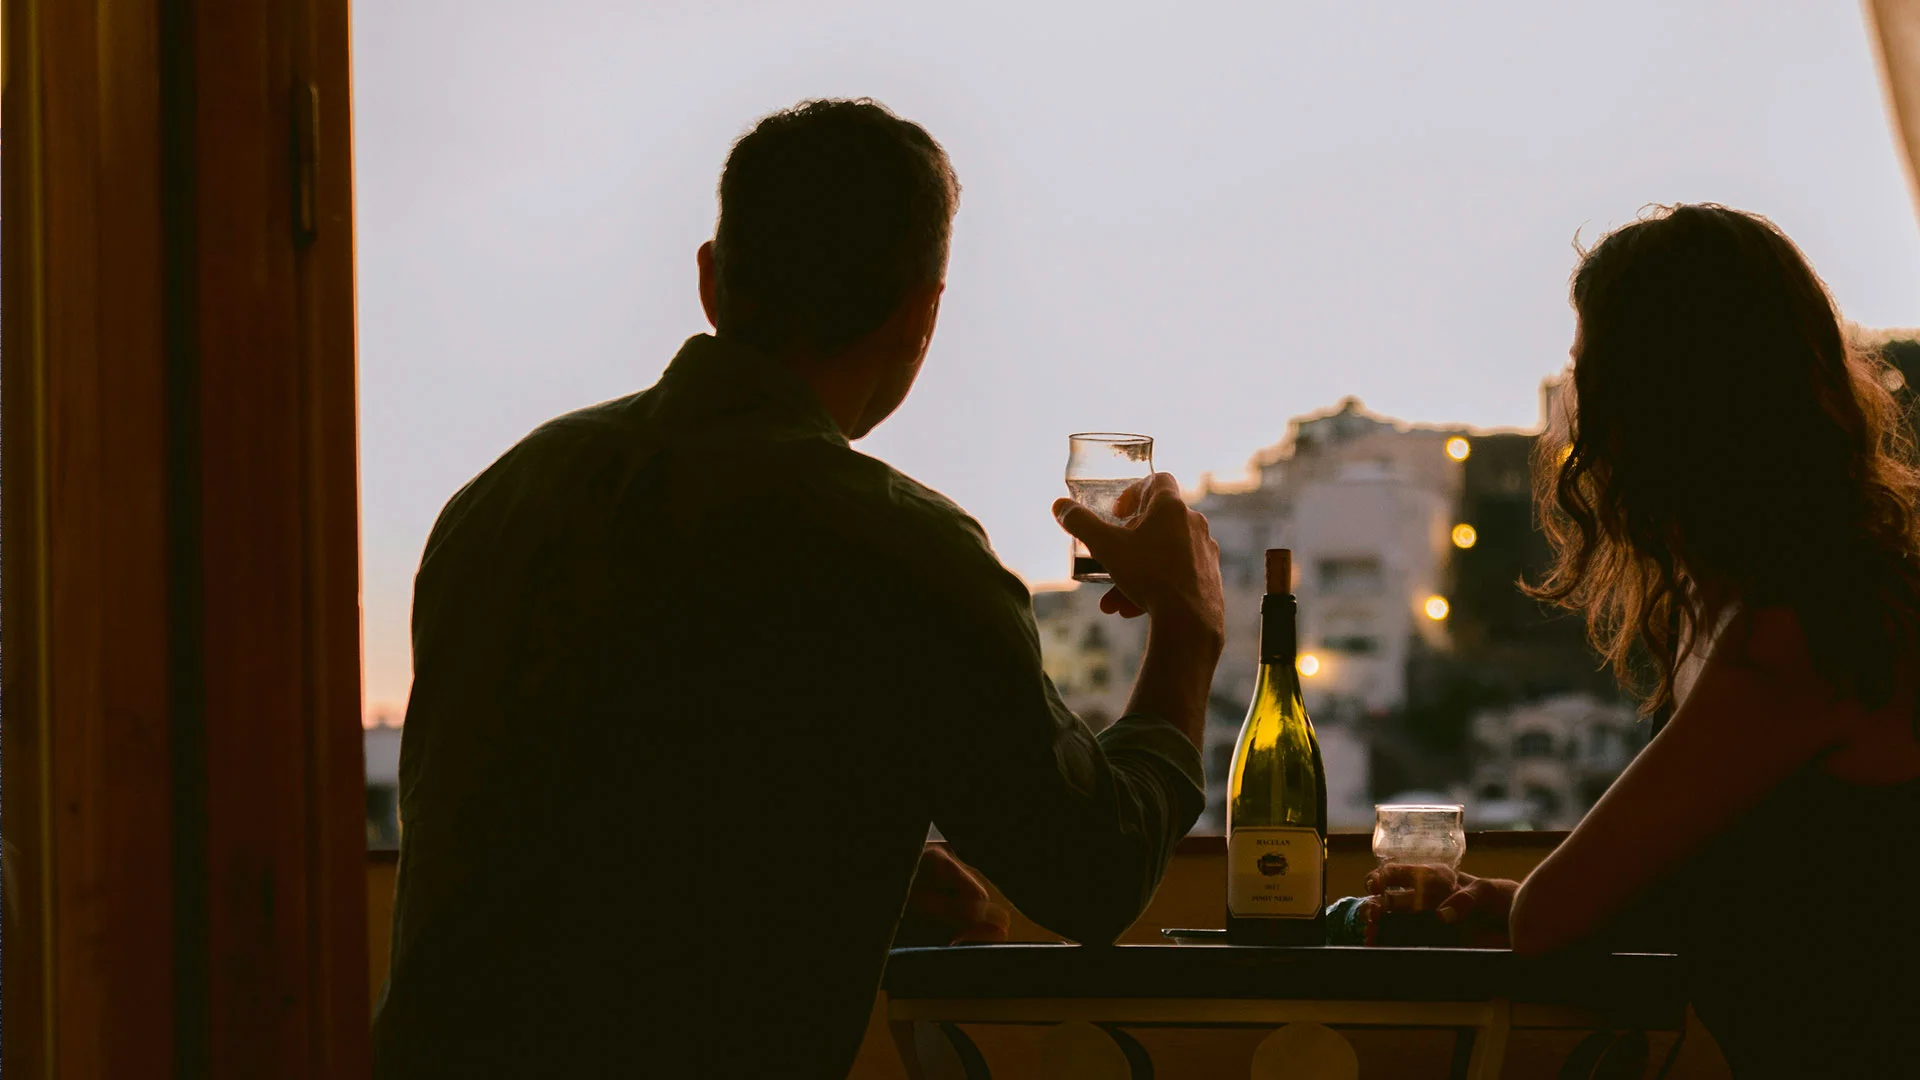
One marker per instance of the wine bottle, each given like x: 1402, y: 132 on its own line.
x: 1277, y: 793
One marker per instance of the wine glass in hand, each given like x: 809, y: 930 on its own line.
x: 1473, y: 909
x: 1419, y: 848
x: 1100, y: 466
x: 1161, y: 554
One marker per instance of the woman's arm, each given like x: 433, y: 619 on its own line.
x: 1758, y: 712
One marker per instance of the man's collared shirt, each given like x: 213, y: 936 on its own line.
x: 692, y: 677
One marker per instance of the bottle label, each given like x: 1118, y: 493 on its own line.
x: 1275, y: 873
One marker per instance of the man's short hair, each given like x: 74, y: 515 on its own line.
x: 829, y: 213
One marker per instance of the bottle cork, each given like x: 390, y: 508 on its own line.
x: 1279, y: 571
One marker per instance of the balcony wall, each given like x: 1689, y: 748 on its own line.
x: 1192, y: 895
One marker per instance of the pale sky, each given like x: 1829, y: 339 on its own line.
x: 1189, y: 220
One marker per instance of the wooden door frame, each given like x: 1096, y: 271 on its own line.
x: 182, y: 731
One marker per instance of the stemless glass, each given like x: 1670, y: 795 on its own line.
x: 1426, y: 840
x: 1101, y: 465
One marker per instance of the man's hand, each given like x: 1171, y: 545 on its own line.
x: 1163, y: 560
x: 947, y: 905
x: 1476, y: 906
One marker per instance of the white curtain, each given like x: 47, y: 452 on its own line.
x: 1895, y: 25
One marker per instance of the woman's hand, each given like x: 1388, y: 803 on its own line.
x: 1476, y: 907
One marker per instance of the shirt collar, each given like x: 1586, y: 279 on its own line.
x: 721, y: 383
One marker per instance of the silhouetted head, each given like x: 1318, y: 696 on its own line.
x: 1725, y: 444
x: 834, y: 223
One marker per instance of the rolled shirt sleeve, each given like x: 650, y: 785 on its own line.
x: 1076, y: 829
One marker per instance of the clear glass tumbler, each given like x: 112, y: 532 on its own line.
x: 1101, y: 465
x: 1422, y: 843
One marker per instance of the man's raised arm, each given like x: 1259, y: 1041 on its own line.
x: 1076, y: 829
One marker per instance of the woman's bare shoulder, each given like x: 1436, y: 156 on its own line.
x: 1769, y: 649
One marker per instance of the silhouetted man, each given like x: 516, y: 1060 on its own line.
x: 692, y: 677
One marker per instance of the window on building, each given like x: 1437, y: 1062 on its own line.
x: 1544, y: 802
x: 1533, y: 744
x: 1350, y: 575
x: 1358, y: 644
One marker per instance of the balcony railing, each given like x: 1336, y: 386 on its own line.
x: 1192, y: 895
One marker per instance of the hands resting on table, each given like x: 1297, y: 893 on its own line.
x: 1476, y: 906
x: 947, y: 905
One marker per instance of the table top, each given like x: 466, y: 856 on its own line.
x: 1654, y: 982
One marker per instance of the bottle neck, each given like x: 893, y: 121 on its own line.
x: 1278, y: 645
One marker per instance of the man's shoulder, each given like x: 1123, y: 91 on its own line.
x: 594, y: 425
x: 899, y: 511
x: 915, y: 545
x: 559, y: 439
x: 535, y: 468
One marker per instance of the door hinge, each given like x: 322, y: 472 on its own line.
x: 306, y: 158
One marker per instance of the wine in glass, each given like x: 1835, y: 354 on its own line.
x: 1101, y: 465
x: 1425, y: 842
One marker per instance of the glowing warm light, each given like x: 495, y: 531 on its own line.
x: 1465, y: 536
x: 1437, y: 608
x: 1458, y: 448
x: 1309, y: 664
x: 1565, y: 453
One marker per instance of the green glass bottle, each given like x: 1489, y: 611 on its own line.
x: 1277, y: 793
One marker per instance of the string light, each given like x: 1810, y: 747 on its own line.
x: 1458, y: 448
x: 1465, y: 536
x: 1437, y: 608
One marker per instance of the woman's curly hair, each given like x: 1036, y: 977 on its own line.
x: 1724, y: 443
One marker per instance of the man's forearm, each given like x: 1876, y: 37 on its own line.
x: 1176, y: 674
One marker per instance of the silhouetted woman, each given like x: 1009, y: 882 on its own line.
x: 1732, y: 505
